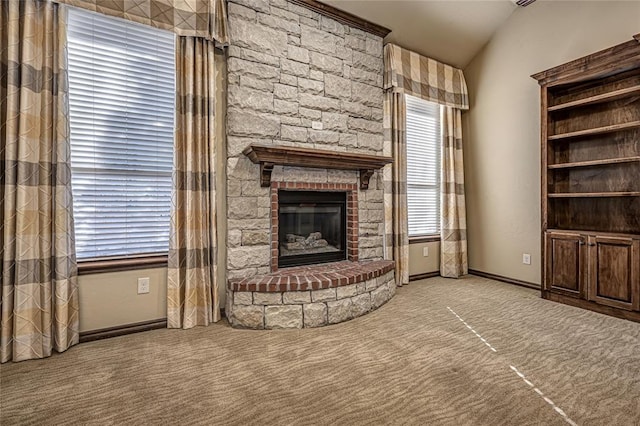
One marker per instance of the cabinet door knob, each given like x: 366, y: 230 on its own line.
x: 581, y: 243
x: 592, y: 244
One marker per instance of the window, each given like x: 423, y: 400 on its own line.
x: 423, y: 166
x: 121, y: 98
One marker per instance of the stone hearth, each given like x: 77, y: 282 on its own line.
x: 310, y: 296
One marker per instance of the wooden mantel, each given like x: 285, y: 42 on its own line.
x: 269, y: 156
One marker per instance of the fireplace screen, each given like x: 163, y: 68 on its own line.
x: 311, y: 227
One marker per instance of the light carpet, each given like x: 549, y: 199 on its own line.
x: 469, y: 351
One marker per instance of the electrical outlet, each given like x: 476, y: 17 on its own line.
x: 526, y: 258
x: 143, y: 285
x: 425, y: 252
x: 316, y: 125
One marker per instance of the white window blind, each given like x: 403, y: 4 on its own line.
x: 423, y: 166
x: 121, y: 98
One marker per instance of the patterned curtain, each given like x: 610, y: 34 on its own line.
x: 192, y: 294
x: 190, y: 18
x: 39, y: 296
x: 406, y: 72
x: 395, y: 176
x: 453, y: 245
x: 416, y: 75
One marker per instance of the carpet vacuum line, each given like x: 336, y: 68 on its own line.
x: 518, y: 373
x: 472, y: 330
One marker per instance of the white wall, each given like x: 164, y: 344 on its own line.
x: 501, y: 130
x: 111, y: 299
x: 421, y: 264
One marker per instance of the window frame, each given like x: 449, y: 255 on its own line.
x: 427, y: 238
x: 103, y: 265
x: 435, y: 236
x: 133, y: 261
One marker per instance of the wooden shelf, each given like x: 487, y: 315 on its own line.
x: 595, y: 232
x: 604, y: 97
x: 595, y: 163
x: 596, y: 131
x: 593, y: 194
x: 268, y: 156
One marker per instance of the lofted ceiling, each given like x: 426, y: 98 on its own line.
x: 450, y: 31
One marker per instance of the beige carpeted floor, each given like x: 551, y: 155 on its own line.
x: 411, y: 362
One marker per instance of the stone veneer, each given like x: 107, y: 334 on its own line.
x: 289, y: 70
x: 310, y: 296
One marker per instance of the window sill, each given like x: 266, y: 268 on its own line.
x: 86, y: 267
x: 424, y: 239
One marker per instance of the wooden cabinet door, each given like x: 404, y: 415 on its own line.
x: 614, y: 272
x: 565, y: 264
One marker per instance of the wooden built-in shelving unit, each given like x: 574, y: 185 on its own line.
x: 590, y: 145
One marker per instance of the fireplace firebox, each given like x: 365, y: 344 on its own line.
x: 311, y: 227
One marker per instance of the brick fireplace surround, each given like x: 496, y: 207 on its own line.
x: 352, y: 213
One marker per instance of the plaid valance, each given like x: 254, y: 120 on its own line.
x: 408, y: 72
x: 197, y: 18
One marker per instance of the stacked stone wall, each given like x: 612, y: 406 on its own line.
x: 290, y: 71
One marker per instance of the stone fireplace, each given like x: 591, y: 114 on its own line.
x: 302, y: 81
x: 316, y: 278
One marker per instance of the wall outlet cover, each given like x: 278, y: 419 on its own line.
x: 316, y: 125
x: 143, y: 285
x: 526, y: 258
x: 425, y: 251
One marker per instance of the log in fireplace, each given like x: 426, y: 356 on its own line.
x: 311, y: 227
